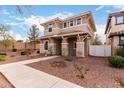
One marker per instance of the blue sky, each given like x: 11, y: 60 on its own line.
x: 38, y: 14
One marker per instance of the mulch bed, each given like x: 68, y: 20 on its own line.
x: 98, y: 72
x: 4, y: 83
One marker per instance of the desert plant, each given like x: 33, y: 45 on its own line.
x: 2, y: 57
x: 59, y: 64
x: 81, y: 70
x: 13, y: 55
x: 68, y: 58
x: 120, y: 81
x: 120, y: 52
x: 25, y: 53
x: 116, y: 61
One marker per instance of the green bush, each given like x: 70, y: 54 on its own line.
x: 25, y: 53
x: 116, y: 61
x: 2, y: 57
x: 120, y: 52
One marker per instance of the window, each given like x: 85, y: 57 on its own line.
x: 50, y: 26
x: 71, y: 23
x: 121, y: 40
x: 119, y: 19
x: 122, y: 37
x: 74, y: 44
x: 46, y: 45
x: 65, y: 25
x: 79, y: 21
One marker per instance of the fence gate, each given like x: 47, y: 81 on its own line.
x: 100, y: 50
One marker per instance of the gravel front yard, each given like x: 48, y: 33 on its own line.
x: 96, y: 71
x: 4, y: 83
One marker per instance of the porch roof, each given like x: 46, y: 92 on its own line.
x: 64, y: 34
x: 119, y: 33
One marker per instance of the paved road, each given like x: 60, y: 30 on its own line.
x: 22, y: 76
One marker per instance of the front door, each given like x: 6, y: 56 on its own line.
x: 72, y: 46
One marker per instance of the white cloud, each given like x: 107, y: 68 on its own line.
x: 108, y: 11
x: 17, y: 36
x: 120, y: 7
x: 37, y: 20
x: 99, y: 7
x: 101, y: 31
x: 17, y: 18
x: 4, y: 12
x: 12, y: 23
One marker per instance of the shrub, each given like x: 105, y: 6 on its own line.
x: 120, y: 81
x: 116, y: 61
x: 25, y: 53
x: 60, y: 64
x: 12, y: 55
x: 120, y: 52
x: 14, y: 50
x: 38, y: 52
x: 82, y: 71
x: 2, y: 57
x: 68, y: 58
x: 3, y: 53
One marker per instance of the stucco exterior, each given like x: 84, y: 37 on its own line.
x: 68, y: 37
x: 114, y: 31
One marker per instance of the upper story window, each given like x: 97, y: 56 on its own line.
x: 50, y: 26
x: 71, y: 23
x: 65, y: 25
x: 120, y: 20
x: 78, y: 21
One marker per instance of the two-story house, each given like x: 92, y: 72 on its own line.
x: 115, y: 30
x: 68, y: 37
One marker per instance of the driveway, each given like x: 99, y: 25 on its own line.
x: 22, y: 76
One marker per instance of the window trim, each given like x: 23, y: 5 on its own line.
x: 50, y: 26
x: 70, y: 23
x: 64, y: 25
x: 119, y: 23
x: 77, y: 21
x: 120, y: 41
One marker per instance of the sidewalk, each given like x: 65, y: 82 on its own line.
x: 22, y: 76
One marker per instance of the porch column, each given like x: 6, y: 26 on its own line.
x: 87, y: 45
x: 41, y: 46
x: 64, y: 47
x: 80, y: 46
x: 52, y: 46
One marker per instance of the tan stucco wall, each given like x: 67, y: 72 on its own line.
x: 115, y: 27
x: 114, y: 43
x: 58, y: 26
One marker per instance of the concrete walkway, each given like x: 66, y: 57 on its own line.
x: 22, y: 76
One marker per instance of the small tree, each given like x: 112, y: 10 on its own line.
x: 33, y: 35
x: 97, y: 40
x: 5, y: 38
x: 6, y: 43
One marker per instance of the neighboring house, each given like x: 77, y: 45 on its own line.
x: 115, y: 30
x: 69, y: 37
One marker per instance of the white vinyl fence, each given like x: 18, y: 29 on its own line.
x: 100, y: 50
